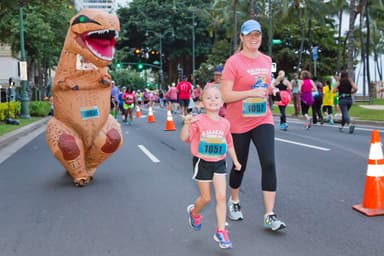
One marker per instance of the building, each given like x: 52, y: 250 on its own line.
x: 8, y: 69
x: 106, y: 5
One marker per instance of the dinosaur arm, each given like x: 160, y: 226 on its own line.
x: 80, y: 80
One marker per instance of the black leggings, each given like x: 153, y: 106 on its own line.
x: 263, y: 137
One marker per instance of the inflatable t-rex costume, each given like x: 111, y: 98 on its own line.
x: 82, y: 134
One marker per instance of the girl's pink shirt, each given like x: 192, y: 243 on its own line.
x: 244, y: 72
x: 206, y: 129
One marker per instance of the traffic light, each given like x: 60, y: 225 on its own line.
x: 140, y: 66
x: 137, y: 51
x: 118, y: 65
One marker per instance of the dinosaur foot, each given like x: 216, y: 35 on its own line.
x: 81, y: 182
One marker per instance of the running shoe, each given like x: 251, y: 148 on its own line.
x: 351, y: 128
x: 272, y: 222
x: 194, y: 221
x: 310, y: 122
x: 281, y: 126
x: 234, y: 211
x: 331, y: 122
x: 285, y: 126
x: 221, y: 236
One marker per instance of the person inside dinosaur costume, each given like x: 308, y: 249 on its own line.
x: 82, y: 134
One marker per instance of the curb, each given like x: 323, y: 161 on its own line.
x: 13, y: 136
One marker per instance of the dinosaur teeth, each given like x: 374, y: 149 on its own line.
x: 104, y: 34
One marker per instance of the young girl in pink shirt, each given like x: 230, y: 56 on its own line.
x: 210, y: 139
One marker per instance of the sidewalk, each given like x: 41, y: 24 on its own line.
x: 13, y: 141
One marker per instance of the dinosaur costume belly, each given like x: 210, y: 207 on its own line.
x: 82, y: 134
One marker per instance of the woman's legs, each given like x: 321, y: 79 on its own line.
x: 264, y: 142
x: 241, y: 143
x: 283, y: 117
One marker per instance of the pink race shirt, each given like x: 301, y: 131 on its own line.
x: 247, y: 73
x: 210, y: 139
x: 184, y: 89
x: 172, y: 93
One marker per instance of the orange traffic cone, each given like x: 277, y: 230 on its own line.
x: 373, y: 199
x: 169, y: 125
x: 138, y: 111
x: 150, y: 117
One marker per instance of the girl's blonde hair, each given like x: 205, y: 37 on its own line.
x: 210, y: 86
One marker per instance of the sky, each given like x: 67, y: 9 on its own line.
x: 122, y: 2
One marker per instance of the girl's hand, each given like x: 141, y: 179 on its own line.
x: 237, y: 166
x: 189, y: 119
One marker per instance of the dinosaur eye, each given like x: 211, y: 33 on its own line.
x: 84, y: 19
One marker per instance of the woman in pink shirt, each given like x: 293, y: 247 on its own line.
x: 246, y: 85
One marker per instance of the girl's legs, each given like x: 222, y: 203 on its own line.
x: 203, y: 199
x: 219, y: 184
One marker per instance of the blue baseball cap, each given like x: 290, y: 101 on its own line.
x: 249, y: 26
x: 218, y: 69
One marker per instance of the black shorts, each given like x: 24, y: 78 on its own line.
x: 184, y: 102
x: 204, y: 170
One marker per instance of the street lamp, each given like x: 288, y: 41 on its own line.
x: 193, y: 46
x: 24, y: 112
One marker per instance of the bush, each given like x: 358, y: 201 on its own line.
x: 14, y: 109
x: 39, y: 108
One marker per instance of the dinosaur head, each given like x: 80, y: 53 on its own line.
x: 92, y: 36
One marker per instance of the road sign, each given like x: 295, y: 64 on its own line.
x: 315, y: 53
x: 277, y: 41
x: 274, y: 67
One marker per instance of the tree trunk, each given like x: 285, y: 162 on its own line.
x: 339, y: 41
x: 370, y: 92
x: 352, y: 16
x: 302, y: 34
x: 234, y: 33
x: 252, y: 9
x: 363, y: 54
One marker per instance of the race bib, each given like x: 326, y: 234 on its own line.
x: 254, y: 107
x: 89, y: 112
x: 212, y: 147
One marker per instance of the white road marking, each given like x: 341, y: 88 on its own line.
x: 303, y: 145
x: 149, y: 154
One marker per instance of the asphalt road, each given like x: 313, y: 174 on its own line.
x: 136, y: 205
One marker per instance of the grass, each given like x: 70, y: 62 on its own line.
x: 356, y: 111
x: 5, y: 128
